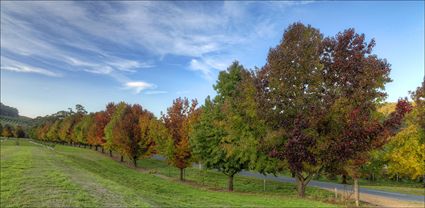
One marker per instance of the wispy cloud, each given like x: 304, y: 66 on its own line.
x: 116, y: 38
x: 139, y: 86
x: 11, y: 65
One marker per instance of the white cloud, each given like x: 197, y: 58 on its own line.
x: 139, y: 86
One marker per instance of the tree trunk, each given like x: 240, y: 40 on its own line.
x: 122, y: 159
x: 103, y: 150
x: 344, y: 179
x: 300, y: 185
x: 356, y: 191
x: 135, y: 162
x: 230, y: 183
x: 110, y: 153
x: 181, y: 174
x: 95, y: 147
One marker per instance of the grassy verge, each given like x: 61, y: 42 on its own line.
x: 35, y: 176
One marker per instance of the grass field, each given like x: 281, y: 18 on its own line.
x: 35, y: 176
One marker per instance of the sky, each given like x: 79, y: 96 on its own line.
x: 58, y: 54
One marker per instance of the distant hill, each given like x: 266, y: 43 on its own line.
x: 10, y: 116
x: 8, y: 111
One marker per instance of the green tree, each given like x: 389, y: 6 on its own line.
x: 227, y: 135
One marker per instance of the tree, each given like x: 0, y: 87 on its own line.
x: 226, y: 136
x: 319, y: 98
x: 1, y: 128
x: 81, y: 129
x: 161, y: 137
x: 178, y: 120
x: 96, y: 134
x: 291, y: 99
x: 405, y: 151
x: 19, y: 132
x: 355, y: 79
x: 53, y: 133
x: 66, y: 133
x: 7, y: 131
x: 130, y: 133
x: 117, y: 115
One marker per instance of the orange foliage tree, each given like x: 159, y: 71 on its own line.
x: 179, y: 120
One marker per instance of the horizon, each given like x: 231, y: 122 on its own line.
x: 55, y: 55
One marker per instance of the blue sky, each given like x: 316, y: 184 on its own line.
x: 57, y: 54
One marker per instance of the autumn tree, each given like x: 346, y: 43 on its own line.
x: 161, y: 137
x: 96, y: 134
x: 179, y: 119
x: 319, y: 97
x: 130, y: 132
x: 405, y: 152
x: 67, y: 128
x: 81, y: 129
x: 354, y: 83
x: 53, y: 133
x: 7, y: 131
x: 227, y: 134
x: 117, y: 115
x: 290, y: 95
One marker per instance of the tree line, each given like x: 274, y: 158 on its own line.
x: 9, y: 131
x: 311, y: 109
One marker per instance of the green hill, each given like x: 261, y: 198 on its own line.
x: 15, y: 121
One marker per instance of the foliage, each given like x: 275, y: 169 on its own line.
x: 81, y: 129
x: 179, y: 120
x: 227, y: 135
x: 130, y: 132
x: 109, y: 128
x: 405, y: 152
x: 53, y: 133
x: 7, y: 131
x: 19, y: 132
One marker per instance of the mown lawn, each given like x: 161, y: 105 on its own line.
x: 35, y: 176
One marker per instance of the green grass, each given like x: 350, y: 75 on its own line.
x: 35, y: 176
x: 218, y: 181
